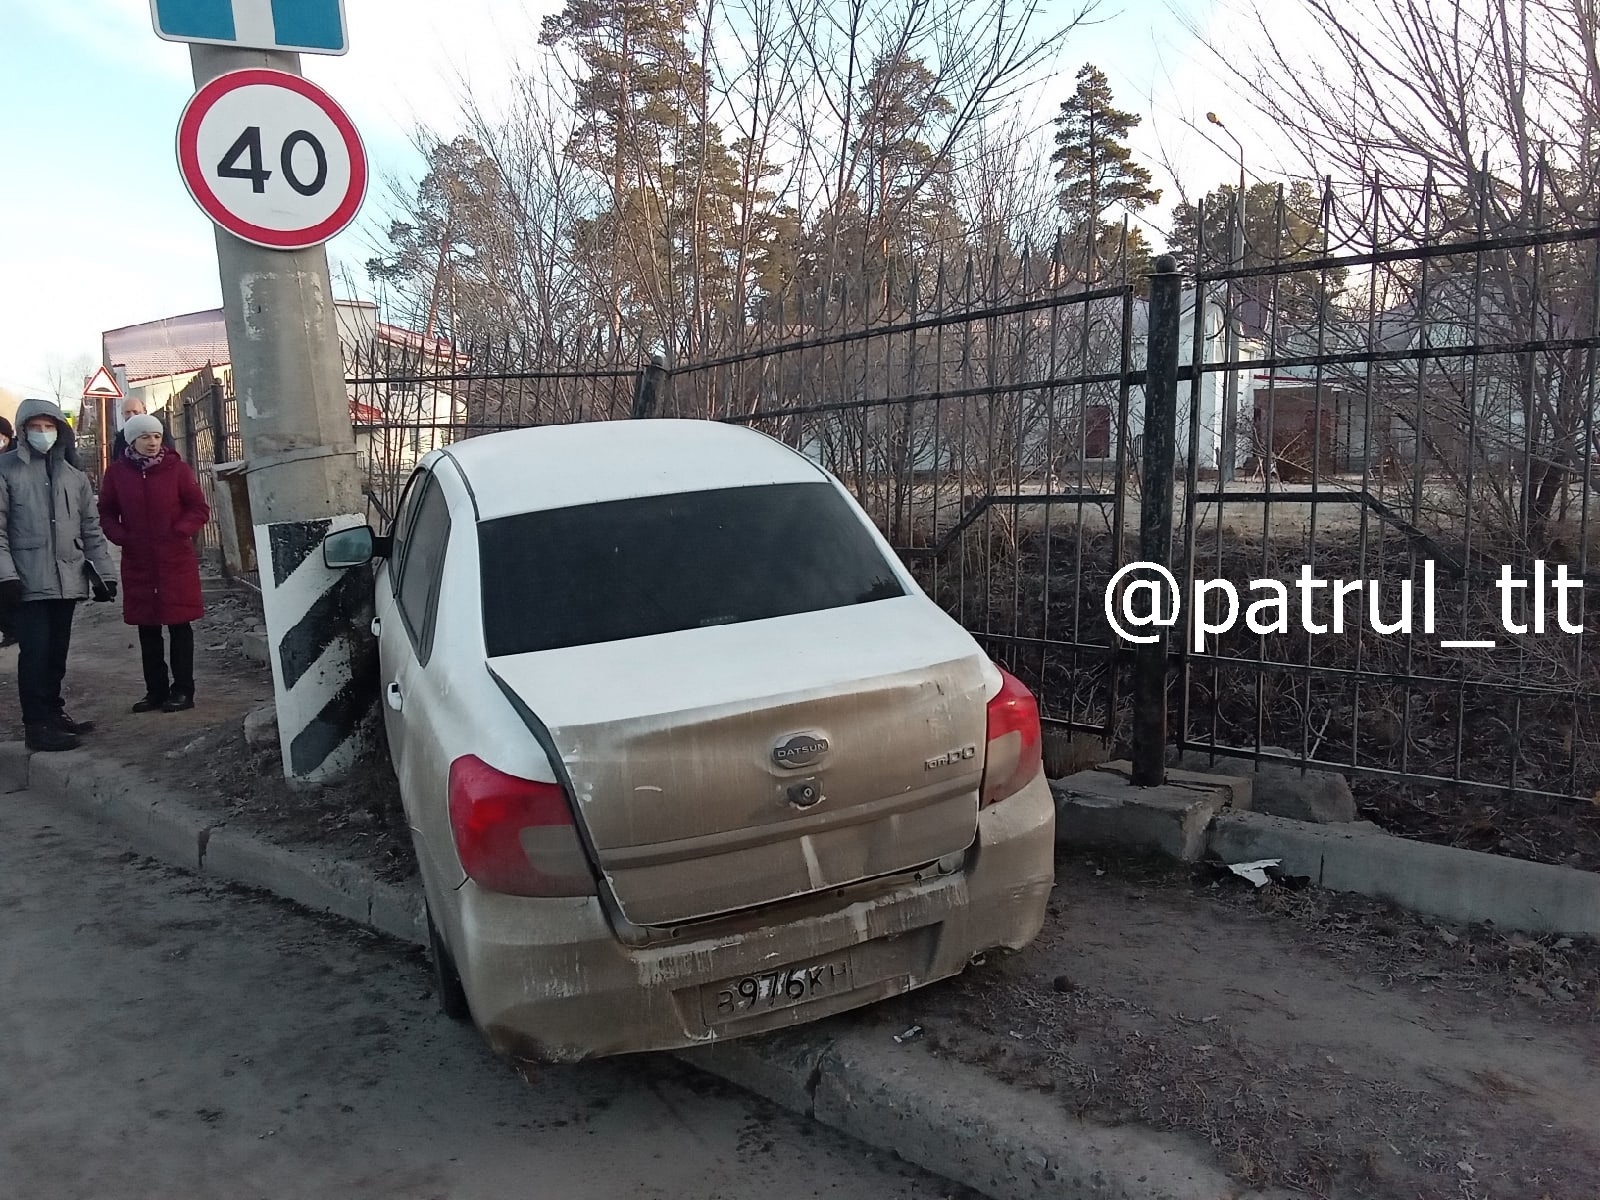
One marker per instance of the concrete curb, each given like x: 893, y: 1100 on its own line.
x: 956, y: 1121
x: 165, y: 827
x: 940, y: 1115
x: 1182, y: 820
x: 1442, y: 881
x: 1005, y: 1142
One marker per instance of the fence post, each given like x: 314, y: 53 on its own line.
x: 219, y: 426
x: 647, y: 389
x: 191, y: 436
x: 1155, y: 512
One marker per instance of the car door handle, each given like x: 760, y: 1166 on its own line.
x: 377, y: 626
x: 391, y: 694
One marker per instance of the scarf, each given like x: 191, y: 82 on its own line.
x: 145, y: 464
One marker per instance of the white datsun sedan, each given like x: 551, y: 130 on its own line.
x: 686, y: 752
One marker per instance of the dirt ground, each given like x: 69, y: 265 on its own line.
x: 1325, y: 1043
x: 1319, y: 1042
x: 104, y: 679
x: 170, y: 1036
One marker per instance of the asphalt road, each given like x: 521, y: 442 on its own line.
x: 161, y: 1035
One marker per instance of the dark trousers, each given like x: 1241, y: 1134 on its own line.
x: 155, y: 663
x: 44, y: 631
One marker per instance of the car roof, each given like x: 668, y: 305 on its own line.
x: 557, y: 466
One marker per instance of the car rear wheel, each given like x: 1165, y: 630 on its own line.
x: 446, y: 979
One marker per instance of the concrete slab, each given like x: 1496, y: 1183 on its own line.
x: 1456, y: 885
x: 1102, y: 808
x: 13, y: 766
x: 55, y: 773
x: 1240, y: 785
x: 253, y: 645
x: 1280, y: 789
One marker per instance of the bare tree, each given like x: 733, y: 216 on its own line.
x: 67, y: 375
x: 1474, y: 121
x: 671, y: 167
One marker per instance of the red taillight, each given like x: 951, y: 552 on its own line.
x: 515, y: 835
x: 1016, y: 746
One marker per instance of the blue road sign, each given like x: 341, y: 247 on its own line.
x: 303, y: 26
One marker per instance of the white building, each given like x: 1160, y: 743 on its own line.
x: 1201, y: 405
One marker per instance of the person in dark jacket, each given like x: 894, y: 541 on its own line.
x: 8, y: 630
x: 49, y: 537
x: 152, y: 506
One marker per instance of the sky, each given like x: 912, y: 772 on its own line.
x: 97, y: 230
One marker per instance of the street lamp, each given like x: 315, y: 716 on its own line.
x: 1230, y: 409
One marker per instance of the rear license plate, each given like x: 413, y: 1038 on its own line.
x: 768, y: 990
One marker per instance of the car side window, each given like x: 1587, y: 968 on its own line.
x: 400, y: 527
x: 422, y: 566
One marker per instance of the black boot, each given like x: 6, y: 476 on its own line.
x: 46, y: 736
x: 66, y: 724
x: 150, y: 703
x: 178, y: 701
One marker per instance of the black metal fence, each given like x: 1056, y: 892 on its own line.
x: 204, y: 420
x: 1421, y: 427
x: 1401, y: 404
x: 410, y: 395
x: 981, y: 414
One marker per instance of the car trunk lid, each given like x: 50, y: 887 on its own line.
x: 721, y: 768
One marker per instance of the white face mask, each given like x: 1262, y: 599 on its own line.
x: 42, y: 439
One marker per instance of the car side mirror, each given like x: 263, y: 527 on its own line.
x: 354, y: 547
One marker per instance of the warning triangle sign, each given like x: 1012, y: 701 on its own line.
x: 102, y: 387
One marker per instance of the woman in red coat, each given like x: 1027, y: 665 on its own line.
x: 152, y: 506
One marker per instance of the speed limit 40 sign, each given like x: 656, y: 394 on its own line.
x: 271, y: 158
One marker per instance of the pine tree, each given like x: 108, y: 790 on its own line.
x: 1098, y: 173
x: 657, y: 247
x: 1270, y: 237
x: 454, y: 256
x: 898, y: 199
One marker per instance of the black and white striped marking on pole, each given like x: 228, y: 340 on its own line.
x: 324, y: 663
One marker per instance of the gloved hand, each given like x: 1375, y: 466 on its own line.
x: 10, y: 593
x: 110, y: 593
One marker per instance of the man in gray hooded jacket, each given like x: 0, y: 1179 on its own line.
x: 49, y: 531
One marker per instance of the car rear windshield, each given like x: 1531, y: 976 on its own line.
x: 659, y: 564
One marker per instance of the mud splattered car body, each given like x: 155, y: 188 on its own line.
x: 686, y: 753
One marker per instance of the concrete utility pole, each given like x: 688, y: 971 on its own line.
x: 299, y: 451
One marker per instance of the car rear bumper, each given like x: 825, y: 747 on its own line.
x: 549, y: 980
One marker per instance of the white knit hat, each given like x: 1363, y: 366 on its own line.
x: 137, y: 427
